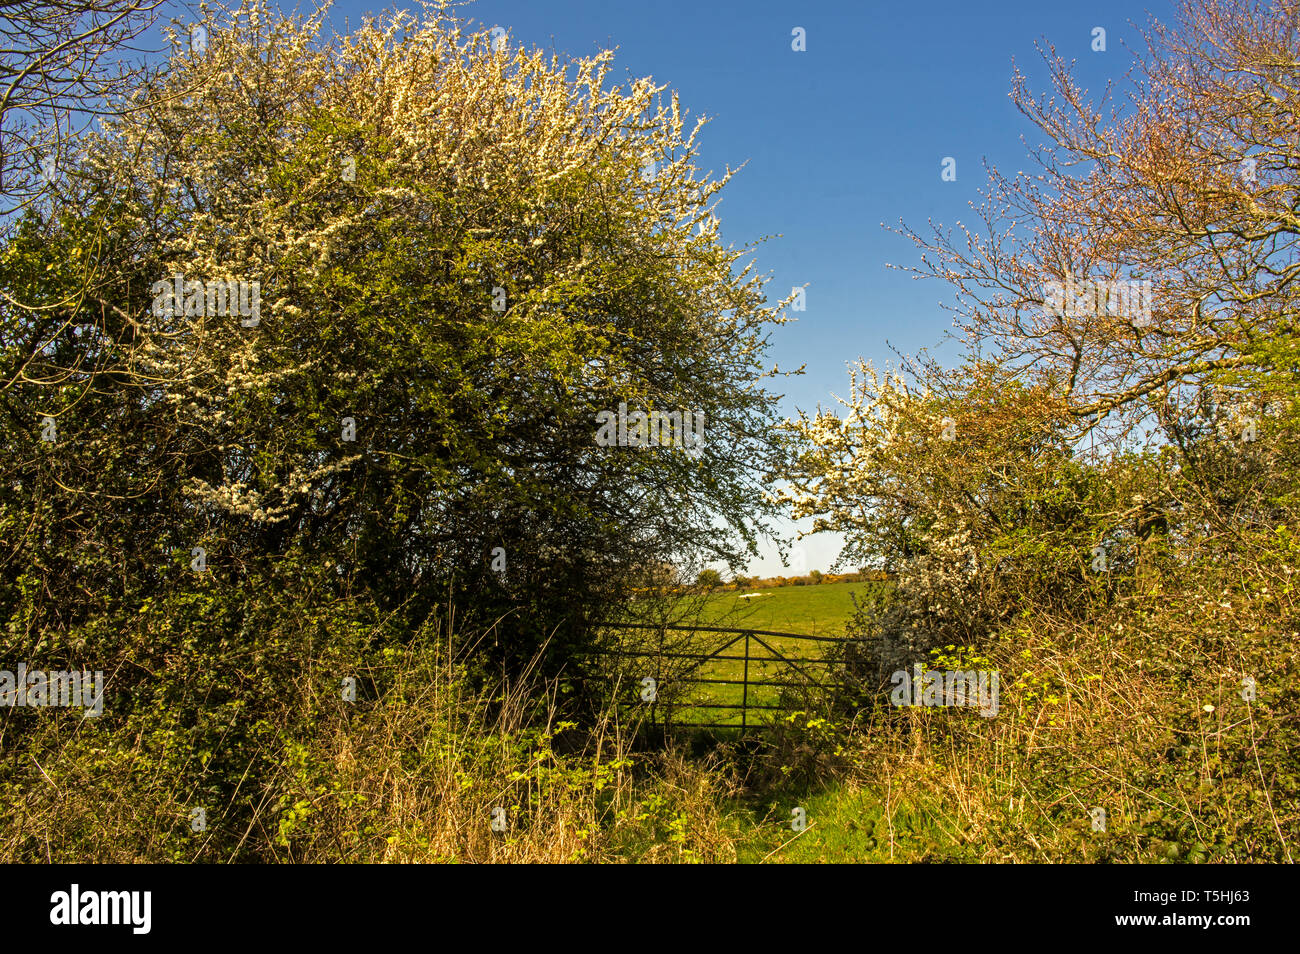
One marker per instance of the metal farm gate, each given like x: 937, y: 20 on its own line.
x: 746, y: 675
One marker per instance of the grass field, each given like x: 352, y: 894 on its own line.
x: 814, y: 610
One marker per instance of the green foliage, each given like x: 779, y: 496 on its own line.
x: 474, y: 480
x: 708, y: 579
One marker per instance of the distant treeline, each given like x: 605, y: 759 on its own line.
x: 711, y: 580
x: 812, y: 579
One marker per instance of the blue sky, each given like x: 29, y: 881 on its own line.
x: 839, y: 138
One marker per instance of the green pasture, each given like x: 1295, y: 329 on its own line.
x: 820, y: 610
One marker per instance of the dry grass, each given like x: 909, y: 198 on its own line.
x: 411, y: 775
